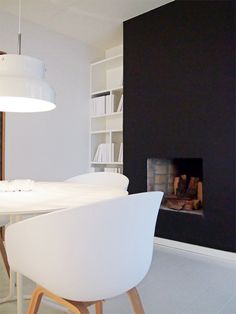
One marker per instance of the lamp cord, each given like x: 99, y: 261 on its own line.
x: 19, y: 29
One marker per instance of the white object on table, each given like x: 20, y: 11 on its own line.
x: 46, y: 197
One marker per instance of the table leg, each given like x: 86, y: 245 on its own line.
x: 19, y: 281
x: 15, y: 284
x: 19, y: 293
x: 12, y: 289
x: 12, y: 284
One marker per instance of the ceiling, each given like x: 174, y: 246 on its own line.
x: 95, y: 22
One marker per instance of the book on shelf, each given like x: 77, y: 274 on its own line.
x: 120, y: 156
x: 111, y: 169
x: 98, y: 105
x: 110, y: 100
x: 103, y: 105
x: 120, y: 106
x: 97, y: 154
x: 104, y: 153
x: 111, y: 152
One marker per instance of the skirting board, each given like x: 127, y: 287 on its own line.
x: 230, y: 256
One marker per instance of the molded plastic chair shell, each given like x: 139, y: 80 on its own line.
x: 93, y: 252
x: 102, y: 178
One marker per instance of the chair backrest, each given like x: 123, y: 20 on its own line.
x: 87, y: 253
x: 102, y: 178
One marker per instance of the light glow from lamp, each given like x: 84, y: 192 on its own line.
x: 22, y: 85
x: 22, y: 104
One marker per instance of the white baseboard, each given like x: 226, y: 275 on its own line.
x: 230, y: 256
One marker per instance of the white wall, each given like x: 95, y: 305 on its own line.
x: 50, y: 145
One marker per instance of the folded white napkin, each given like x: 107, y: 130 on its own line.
x: 16, y: 185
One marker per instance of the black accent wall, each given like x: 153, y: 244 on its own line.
x: 179, y: 102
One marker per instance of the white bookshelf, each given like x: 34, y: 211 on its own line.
x: 106, y: 114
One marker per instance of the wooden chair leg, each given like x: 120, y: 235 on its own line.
x: 4, y: 254
x: 35, y: 301
x: 99, y: 307
x: 135, y: 301
x: 75, y: 307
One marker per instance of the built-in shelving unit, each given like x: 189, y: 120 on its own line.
x: 106, y: 114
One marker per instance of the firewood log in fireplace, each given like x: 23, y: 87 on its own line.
x: 182, y: 184
x: 188, y: 205
x: 185, y: 204
x: 175, y: 203
x: 176, y: 183
x: 181, y: 189
x: 197, y: 204
x: 192, y: 187
x: 200, y: 192
x: 186, y: 197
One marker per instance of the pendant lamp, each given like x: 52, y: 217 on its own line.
x: 22, y: 85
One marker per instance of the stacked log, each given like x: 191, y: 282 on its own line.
x: 188, y: 194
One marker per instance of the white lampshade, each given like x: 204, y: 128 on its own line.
x: 22, y: 85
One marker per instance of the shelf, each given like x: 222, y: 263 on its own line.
x: 106, y: 131
x: 106, y: 163
x: 106, y: 128
x: 107, y: 115
x: 110, y: 62
x: 107, y: 91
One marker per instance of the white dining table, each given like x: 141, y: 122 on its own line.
x: 43, y: 198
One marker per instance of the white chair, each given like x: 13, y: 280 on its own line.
x: 87, y: 254
x: 4, y: 220
x: 112, y: 179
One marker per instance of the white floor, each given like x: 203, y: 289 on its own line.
x: 178, y: 282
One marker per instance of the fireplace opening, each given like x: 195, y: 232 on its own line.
x: 181, y: 180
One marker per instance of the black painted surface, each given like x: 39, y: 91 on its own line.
x: 179, y: 102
